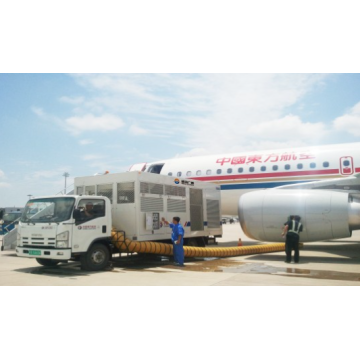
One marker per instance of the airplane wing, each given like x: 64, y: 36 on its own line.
x: 349, y: 184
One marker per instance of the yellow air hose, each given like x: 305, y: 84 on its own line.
x: 150, y: 247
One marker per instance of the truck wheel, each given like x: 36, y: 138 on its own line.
x: 47, y: 262
x: 96, y: 259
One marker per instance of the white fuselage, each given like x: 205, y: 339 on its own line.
x: 238, y: 173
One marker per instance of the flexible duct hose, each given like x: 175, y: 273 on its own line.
x: 151, y: 247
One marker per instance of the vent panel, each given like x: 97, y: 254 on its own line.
x: 149, y: 204
x: 174, y: 205
x: 213, y: 213
x: 150, y: 188
x: 175, y: 190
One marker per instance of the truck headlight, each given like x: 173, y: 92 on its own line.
x: 62, y: 240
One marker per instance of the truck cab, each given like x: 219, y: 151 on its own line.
x: 60, y: 228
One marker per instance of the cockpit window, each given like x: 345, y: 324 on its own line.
x: 155, y: 169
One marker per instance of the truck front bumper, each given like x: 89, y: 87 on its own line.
x: 54, y: 254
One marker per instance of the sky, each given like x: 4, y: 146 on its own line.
x: 86, y: 88
x: 84, y: 124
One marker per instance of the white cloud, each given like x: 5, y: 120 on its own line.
x: 137, y: 85
x: 288, y: 128
x: 3, y: 184
x: 79, y: 124
x: 91, y: 157
x: 72, y: 100
x: 213, y: 112
x: 239, y: 107
x: 349, y: 122
x: 193, y: 152
x: 47, y: 174
x: 137, y: 130
x: 86, y: 142
x: 38, y: 111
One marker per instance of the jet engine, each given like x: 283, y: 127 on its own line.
x: 324, y: 214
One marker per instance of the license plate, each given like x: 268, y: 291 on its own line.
x: 34, y: 252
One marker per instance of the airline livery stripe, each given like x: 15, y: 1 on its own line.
x: 267, y: 175
x: 259, y: 185
x: 280, y: 179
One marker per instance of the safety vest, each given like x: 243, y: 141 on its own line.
x: 293, y: 228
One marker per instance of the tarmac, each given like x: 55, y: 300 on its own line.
x: 325, y: 263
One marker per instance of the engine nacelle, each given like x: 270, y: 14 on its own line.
x: 324, y: 214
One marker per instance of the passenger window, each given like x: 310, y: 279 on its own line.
x: 188, y: 173
x: 287, y: 167
x: 326, y: 164
x: 170, y: 174
x: 218, y: 171
x: 263, y: 168
x: 312, y: 165
x: 251, y: 169
x: 208, y: 172
x: 299, y: 166
x: 198, y: 173
x: 275, y: 167
x: 178, y: 174
x: 240, y: 170
x: 229, y: 171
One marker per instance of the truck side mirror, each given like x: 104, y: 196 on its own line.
x: 77, y: 214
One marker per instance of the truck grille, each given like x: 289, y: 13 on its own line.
x: 38, y: 242
x: 37, y: 247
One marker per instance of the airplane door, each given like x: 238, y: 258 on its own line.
x: 346, y: 165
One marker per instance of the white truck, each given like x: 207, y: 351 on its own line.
x: 54, y: 229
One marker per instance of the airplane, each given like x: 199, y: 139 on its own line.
x: 321, y: 184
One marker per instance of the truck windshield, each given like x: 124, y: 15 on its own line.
x: 48, y: 210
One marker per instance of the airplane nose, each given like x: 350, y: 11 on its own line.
x: 138, y: 167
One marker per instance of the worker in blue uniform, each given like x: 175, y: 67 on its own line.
x: 177, y: 238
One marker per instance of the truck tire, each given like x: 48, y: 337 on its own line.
x: 96, y: 258
x: 47, y: 262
